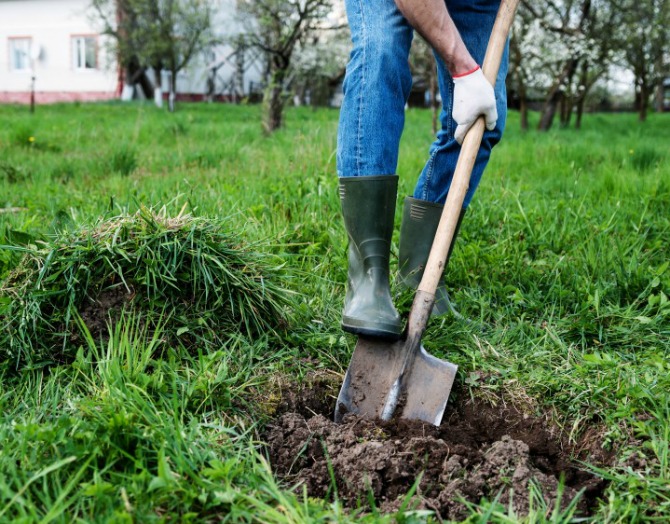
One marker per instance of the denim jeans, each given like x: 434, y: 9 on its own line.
x: 378, y: 82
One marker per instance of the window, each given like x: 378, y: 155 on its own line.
x: 85, y: 52
x: 19, y: 54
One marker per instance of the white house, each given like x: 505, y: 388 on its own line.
x: 57, y: 45
x: 53, y: 43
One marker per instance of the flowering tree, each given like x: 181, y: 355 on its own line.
x: 555, y: 39
x: 560, y: 49
x: 646, y: 45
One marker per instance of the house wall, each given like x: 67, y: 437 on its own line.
x: 51, y: 24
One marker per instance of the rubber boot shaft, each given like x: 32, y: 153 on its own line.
x: 417, y: 232
x: 368, y: 209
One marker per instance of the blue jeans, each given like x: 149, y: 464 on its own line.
x: 378, y: 82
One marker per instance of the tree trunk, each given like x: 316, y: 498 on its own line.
x: 564, y: 113
x: 569, y: 108
x: 583, y: 90
x: 158, y: 91
x: 173, y: 90
x: 555, y: 96
x: 273, y: 101
x: 240, y: 66
x: 644, y: 101
x: 580, y: 112
x: 556, y: 92
x: 523, y: 101
x: 568, y: 117
x: 659, y: 96
x: 137, y: 75
x: 523, y: 110
x: 568, y: 102
x: 549, y: 109
x: 658, y: 87
x: 522, y: 93
x: 517, y: 72
x: 211, y: 85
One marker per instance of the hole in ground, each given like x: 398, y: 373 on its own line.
x: 480, y: 450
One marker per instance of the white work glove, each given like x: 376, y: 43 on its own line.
x: 473, y: 96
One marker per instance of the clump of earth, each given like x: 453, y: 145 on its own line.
x: 481, y: 450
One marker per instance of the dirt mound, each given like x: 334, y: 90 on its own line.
x: 479, y: 451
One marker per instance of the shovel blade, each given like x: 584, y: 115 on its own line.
x: 374, y: 368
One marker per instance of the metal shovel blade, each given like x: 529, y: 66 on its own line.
x: 372, y: 376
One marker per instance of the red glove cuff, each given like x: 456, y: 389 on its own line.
x: 466, y: 73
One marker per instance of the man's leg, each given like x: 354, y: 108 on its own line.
x: 474, y: 20
x: 376, y: 87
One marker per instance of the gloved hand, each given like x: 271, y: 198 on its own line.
x: 473, y: 96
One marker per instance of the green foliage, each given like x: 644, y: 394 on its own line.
x: 204, y: 280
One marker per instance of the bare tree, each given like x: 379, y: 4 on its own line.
x: 157, y: 34
x: 278, y: 28
x: 320, y: 66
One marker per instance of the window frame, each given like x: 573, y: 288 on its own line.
x: 11, y: 40
x: 74, y: 53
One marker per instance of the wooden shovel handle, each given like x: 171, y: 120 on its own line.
x: 467, y: 156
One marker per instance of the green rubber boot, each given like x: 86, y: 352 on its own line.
x: 419, y: 224
x: 368, y: 208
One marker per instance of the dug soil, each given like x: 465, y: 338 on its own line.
x: 482, y: 450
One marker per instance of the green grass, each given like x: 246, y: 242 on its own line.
x: 562, y: 268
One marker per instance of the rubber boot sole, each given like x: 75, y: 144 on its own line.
x: 363, y: 328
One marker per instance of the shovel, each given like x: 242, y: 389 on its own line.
x: 384, y: 377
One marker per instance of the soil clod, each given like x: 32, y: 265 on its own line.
x: 479, y: 451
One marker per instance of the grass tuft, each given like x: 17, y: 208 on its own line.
x: 645, y: 159
x: 123, y: 160
x: 12, y: 174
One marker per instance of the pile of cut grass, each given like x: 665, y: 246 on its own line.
x: 192, y: 275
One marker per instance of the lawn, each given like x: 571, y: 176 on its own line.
x: 175, y: 396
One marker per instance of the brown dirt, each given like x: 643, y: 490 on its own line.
x: 97, y: 313
x: 480, y: 451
